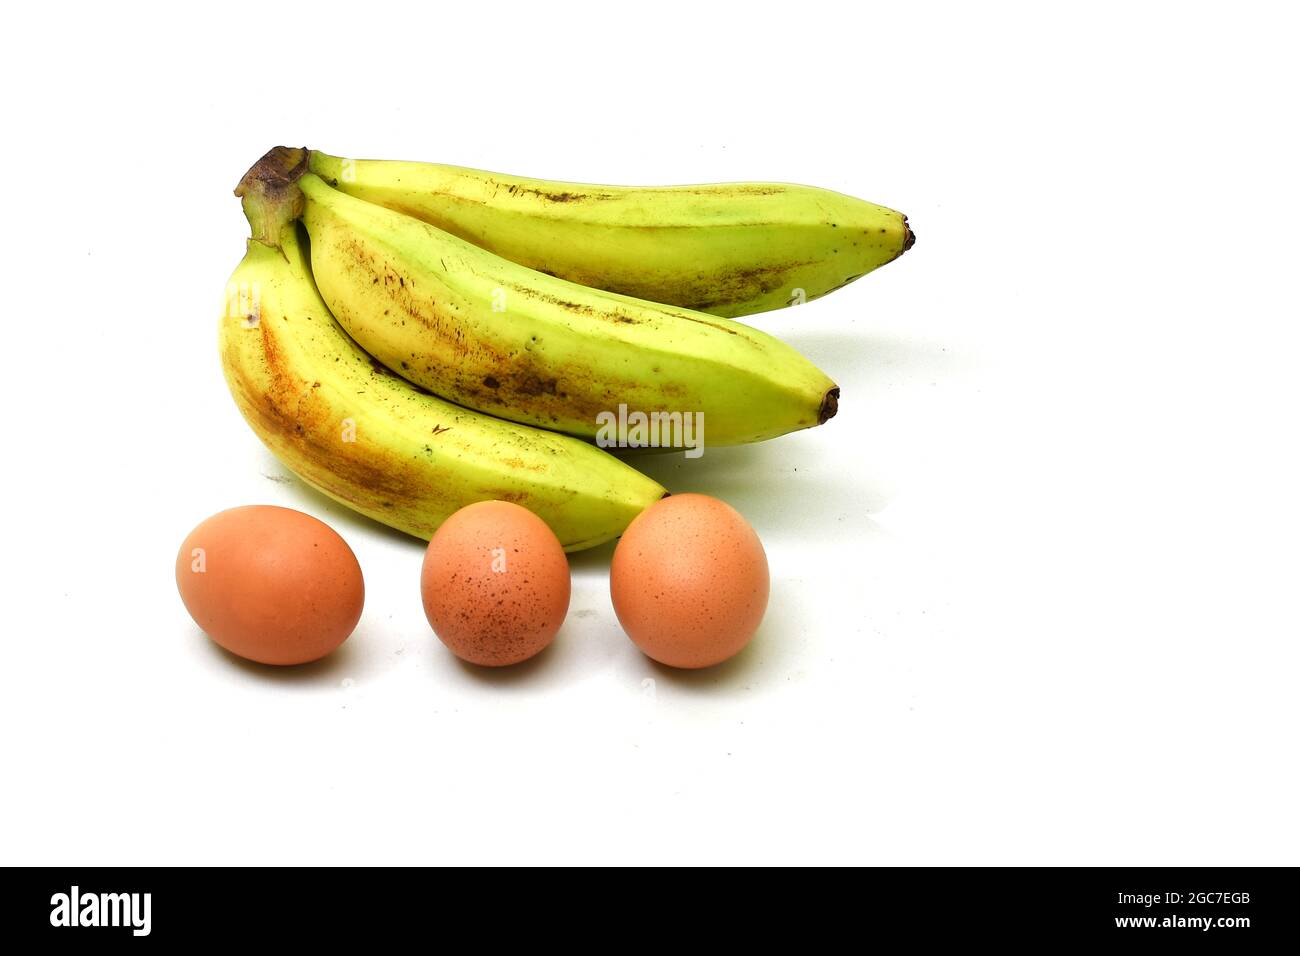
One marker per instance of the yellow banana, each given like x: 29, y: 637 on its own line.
x: 362, y: 435
x: 499, y: 337
x: 729, y: 249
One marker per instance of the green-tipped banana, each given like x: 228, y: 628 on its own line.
x: 728, y: 249
x: 378, y: 444
x: 499, y: 337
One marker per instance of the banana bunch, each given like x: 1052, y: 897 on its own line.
x: 412, y: 338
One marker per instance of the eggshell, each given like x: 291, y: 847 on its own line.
x: 689, y: 581
x: 495, y: 583
x: 270, y: 584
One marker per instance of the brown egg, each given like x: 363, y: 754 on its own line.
x: 495, y: 583
x: 270, y: 584
x: 689, y: 581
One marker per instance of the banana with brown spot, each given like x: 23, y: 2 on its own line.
x: 496, y: 336
x: 364, y: 436
x: 729, y: 249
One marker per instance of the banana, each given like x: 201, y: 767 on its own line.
x: 496, y: 336
x: 729, y: 249
x: 362, y: 435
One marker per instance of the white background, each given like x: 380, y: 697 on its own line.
x: 1034, y: 590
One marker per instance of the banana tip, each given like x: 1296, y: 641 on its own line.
x: 909, y: 240
x: 830, y: 405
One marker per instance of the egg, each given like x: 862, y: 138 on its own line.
x: 689, y: 581
x: 270, y: 584
x: 495, y: 583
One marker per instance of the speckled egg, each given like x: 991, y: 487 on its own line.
x: 495, y: 584
x: 689, y: 581
x: 270, y: 584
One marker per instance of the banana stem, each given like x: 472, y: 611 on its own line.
x: 269, y: 192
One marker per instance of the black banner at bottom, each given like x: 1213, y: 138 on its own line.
x: 133, y: 907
